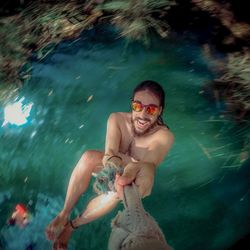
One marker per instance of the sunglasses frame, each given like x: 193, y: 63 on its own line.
x: 145, y: 106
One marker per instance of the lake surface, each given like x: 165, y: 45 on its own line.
x: 201, y: 196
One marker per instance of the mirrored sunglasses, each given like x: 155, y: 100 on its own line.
x: 151, y: 109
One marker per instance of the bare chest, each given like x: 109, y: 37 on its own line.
x: 136, y: 147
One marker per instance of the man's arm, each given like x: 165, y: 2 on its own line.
x: 113, y: 135
x: 113, y: 139
x: 143, y: 172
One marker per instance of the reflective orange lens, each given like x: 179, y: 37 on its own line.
x: 151, y: 109
x: 137, y: 106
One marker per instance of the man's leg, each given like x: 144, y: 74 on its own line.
x: 78, y: 183
x: 96, y: 208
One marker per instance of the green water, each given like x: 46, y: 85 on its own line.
x: 201, y: 195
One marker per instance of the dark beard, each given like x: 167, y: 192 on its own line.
x: 144, y: 132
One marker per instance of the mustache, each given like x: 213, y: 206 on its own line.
x: 145, y: 119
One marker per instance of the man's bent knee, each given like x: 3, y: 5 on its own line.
x: 92, y: 158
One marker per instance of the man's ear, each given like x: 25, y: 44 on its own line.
x: 160, y: 111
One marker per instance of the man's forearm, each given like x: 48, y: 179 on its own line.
x: 142, y: 173
x: 125, y: 159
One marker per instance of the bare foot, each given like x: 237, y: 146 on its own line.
x: 54, y: 229
x: 62, y: 240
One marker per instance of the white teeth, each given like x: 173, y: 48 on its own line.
x: 142, y: 123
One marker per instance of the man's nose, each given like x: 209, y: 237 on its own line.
x: 144, y: 113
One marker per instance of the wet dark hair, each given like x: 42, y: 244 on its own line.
x: 158, y: 91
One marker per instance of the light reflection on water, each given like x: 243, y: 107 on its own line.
x: 73, y: 92
x: 17, y: 113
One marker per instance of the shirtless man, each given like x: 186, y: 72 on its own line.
x: 137, y: 141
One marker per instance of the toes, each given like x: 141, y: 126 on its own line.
x: 55, y: 246
x: 49, y: 234
x: 63, y: 247
x: 54, y: 228
x: 59, y: 246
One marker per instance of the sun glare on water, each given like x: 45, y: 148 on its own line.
x: 17, y: 113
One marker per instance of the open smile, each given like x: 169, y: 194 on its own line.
x: 141, y: 124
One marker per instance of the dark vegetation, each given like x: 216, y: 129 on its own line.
x: 29, y: 28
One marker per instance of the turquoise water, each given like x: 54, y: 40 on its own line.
x: 201, y: 195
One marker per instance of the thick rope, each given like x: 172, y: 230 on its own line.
x: 134, y: 228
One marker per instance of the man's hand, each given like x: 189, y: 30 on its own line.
x: 142, y: 174
x: 113, y: 162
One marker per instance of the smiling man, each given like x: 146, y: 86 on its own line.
x: 138, y: 141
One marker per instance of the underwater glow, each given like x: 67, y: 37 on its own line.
x: 17, y: 113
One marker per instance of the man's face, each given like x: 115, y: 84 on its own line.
x: 143, y: 121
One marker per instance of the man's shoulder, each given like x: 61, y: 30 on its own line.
x: 163, y: 133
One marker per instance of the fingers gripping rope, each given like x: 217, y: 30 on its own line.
x: 105, y: 179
